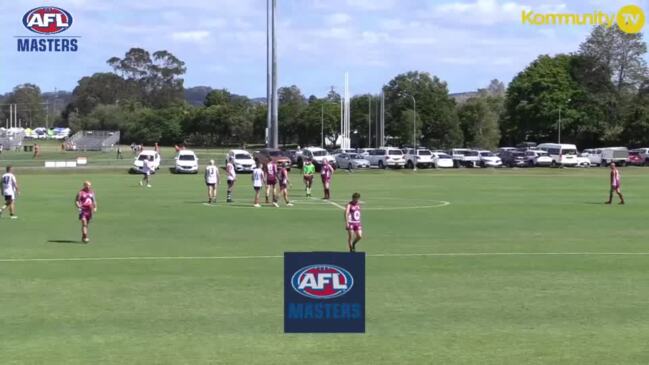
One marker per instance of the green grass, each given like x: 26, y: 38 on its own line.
x: 464, y: 309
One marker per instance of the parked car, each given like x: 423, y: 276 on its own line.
x: 386, y: 157
x: 317, y: 155
x: 152, y: 156
x: 524, y: 146
x: 514, y: 158
x: 504, y: 149
x: 614, y: 154
x: 351, y: 161
x: 635, y: 159
x: 489, y: 159
x: 442, y: 160
x: 267, y: 154
x: 343, y: 150
x: 365, y: 151
x: 470, y: 158
x: 292, y: 155
x: 422, y: 157
x: 593, y: 154
x: 186, y: 162
x: 583, y: 162
x: 644, y: 153
x: 561, y: 154
x: 537, y: 158
x: 241, y: 159
x: 464, y: 157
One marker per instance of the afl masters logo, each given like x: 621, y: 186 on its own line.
x: 47, y: 22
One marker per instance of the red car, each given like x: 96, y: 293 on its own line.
x: 635, y: 159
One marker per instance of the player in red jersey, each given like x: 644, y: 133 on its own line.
x: 271, y: 181
x: 353, y: 222
x: 87, y: 204
x: 283, y: 185
x: 326, y: 172
x: 615, y: 185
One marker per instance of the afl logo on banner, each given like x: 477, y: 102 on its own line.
x: 47, y: 20
x: 324, y: 292
x: 322, y: 281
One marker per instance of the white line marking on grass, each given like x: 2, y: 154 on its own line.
x: 438, y: 254
x: 336, y: 204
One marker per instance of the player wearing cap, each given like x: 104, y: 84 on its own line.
x: 212, y: 181
x: 87, y: 205
x: 9, y: 191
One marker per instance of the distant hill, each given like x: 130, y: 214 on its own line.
x: 196, y: 95
x: 462, y: 97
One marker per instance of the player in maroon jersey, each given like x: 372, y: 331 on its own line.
x: 353, y: 222
x: 271, y: 181
x: 87, y: 204
x: 326, y: 172
x: 283, y: 185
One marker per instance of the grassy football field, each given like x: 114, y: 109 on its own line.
x: 463, y: 267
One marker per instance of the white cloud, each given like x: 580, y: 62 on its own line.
x: 339, y: 18
x: 484, y: 12
x: 190, y: 36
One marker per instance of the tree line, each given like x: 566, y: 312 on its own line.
x: 598, y: 95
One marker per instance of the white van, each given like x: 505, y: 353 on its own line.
x: 604, y: 156
x: 561, y: 154
x: 618, y: 155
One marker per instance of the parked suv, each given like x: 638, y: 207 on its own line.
x: 317, y: 155
x: 537, y: 158
x: 152, y: 156
x: 241, y: 160
x: 386, y: 157
x: 422, y: 157
x: 489, y: 159
x: 465, y: 157
x: 644, y: 153
x: 186, y: 162
x: 267, y: 154
x: 513, y: 158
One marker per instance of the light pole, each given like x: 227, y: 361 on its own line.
x: 414, y: 130
x: 369, y: 120
x: 559, y: 126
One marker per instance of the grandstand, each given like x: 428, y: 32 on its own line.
x: 93, y: 141
x: 11, y: 139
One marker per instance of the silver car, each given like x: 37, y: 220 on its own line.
x: 351, y: 161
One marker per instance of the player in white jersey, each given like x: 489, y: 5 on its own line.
x: 257, y: 182
x: 9, y: 191
x: 212, y: 181
x: 147, y: 170
x: 232, y: 177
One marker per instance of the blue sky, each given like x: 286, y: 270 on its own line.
x: 466, y: 43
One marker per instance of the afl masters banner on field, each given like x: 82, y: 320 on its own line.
x: 324, y: 292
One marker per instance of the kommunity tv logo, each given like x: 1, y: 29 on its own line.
x: 630, y: 18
